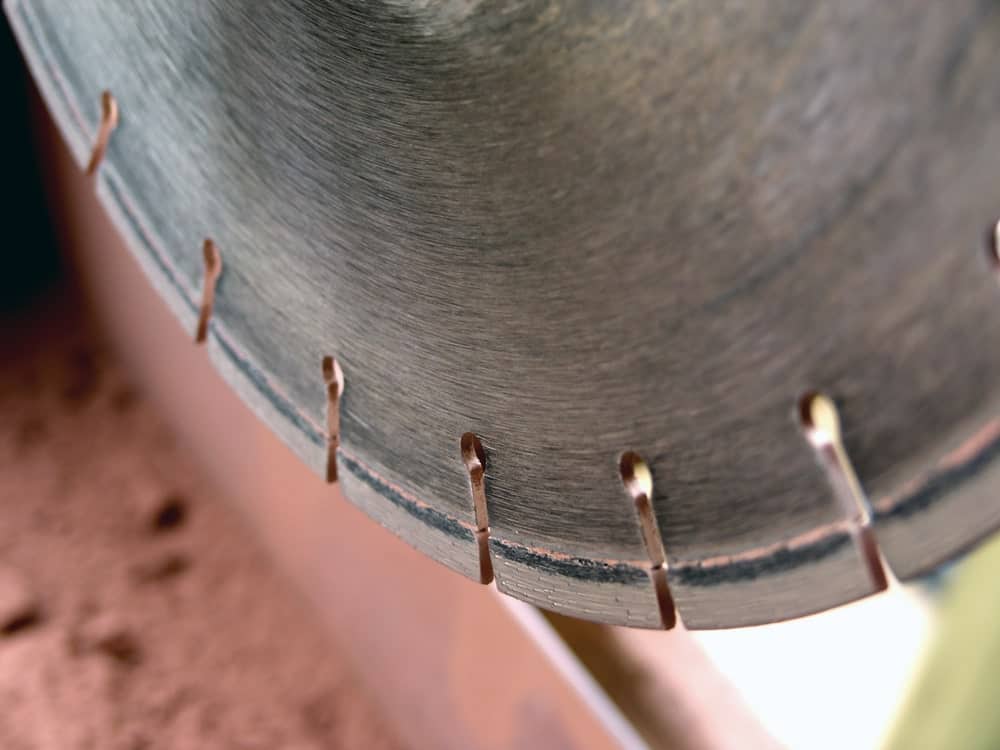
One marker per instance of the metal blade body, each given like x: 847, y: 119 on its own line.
x: 576, y: 230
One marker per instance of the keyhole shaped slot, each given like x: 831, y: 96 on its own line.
x: 333, y: 377
x: 213, y: 269
x: 821, y: 424
x: 638, y: 480
x: 107, y: 125
x: 474, y: 458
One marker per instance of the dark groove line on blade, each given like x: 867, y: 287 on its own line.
x: 940, y: 484
x: 740, y: 571
x: 434, y: 518
x: 578, y: 568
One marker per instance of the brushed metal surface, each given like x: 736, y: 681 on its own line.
x: 576, y: 230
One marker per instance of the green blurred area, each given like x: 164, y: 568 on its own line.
x: 955, y: 703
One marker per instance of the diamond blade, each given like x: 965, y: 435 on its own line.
x: 575, y: 232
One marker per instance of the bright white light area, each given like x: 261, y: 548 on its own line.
x: 833, y: 680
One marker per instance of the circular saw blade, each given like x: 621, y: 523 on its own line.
x: 577, y: 232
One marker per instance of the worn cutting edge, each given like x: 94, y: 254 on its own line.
x: 579, y: 234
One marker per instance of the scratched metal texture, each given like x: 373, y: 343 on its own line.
x: 577, y: 229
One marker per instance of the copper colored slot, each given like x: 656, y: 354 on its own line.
x: 333, y: 376
x: 475, y: 462
x: 213, y: 269
x: 821, y: 424
x: 109, y: 121
x: 638, y: 481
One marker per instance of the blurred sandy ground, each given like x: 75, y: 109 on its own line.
x: 136, y: 612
